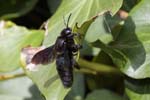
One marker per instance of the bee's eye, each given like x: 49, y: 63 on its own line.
x: 67, y: 32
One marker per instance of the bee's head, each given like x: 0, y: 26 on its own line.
x: 66, y: 31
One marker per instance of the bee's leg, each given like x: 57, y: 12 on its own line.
x: 70, y: 36
x: 76, y: 47
x: 75, y: 53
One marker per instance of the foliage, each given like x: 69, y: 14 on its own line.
x: 114, y: 61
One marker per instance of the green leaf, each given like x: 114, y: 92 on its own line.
x: 137, y: 96
x: 133, y: 41
x: 103, y: 95
x: 77, y: 91
x: 137, y: 89
x: 20, y: 88
x: 13, y: 39
x: 142, y: 24
x: 132, y: 46
x: 118, y: 57
x: 48, y: 82
x: 87, y: 49
x: 99, y: 30
x: 15, y: 8
x: 95, y: 28
x: 79, y: 11
x: 128, y: 43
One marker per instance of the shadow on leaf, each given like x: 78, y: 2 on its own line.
x: 35, y: 94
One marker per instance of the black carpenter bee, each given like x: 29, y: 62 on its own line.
x: 63, y: 51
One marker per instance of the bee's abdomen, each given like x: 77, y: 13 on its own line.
x: 65, y: 72
x: 66, y: 77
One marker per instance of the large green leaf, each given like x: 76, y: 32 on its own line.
x: 133, y: 41
x: 13, y: 38
x: 99, y: 30
x: 15, y: 8
x: 138, y: 89
x: 142, y: 30
x: 19, y: 89
x: 48, y: 82
x: 94, y: 30
x: 132, y: 47
x: 78, y: 90
x: 118, y: 57
x: 137, y: 96
x: 81, y: 11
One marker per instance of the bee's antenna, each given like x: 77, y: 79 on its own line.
x: 64, y: 21
x: 68, y: 19
x: 66, y: 24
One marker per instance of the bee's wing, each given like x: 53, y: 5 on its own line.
x: 44, y: 56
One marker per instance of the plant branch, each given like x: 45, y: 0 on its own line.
x: 6, y: 77
x: 99, y: 68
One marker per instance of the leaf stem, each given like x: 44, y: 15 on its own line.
x: 99, y: 68
x: 6, y: 77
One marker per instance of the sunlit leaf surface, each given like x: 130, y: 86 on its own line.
x: 13, y: 38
